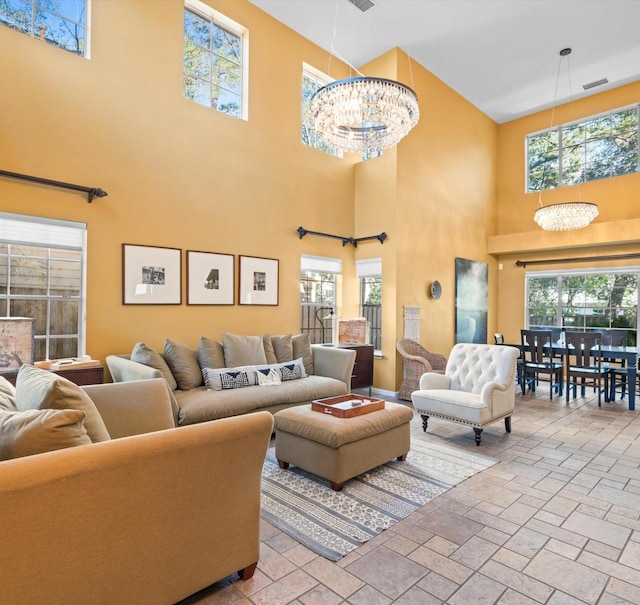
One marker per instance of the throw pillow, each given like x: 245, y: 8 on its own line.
x: 228, y: 378
x: 210, y: 353
x: 301, y: 344
x: 282, y: 347
x: 242, y: 350
x: 292, y: 371
x: 37, y: 431
x: 268, y: 349
x: 38, y: 389
x: 183, y: 364
x: 7, y: 395
x: 268, y: 377
x: 144, y: 354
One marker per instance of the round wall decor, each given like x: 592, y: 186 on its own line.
x: 436, y: 290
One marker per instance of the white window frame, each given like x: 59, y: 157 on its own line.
x: 51, y: 234
x: 224, y: 22
x: 311, y: 313
x: 370, y: 268
x: 559, y: 129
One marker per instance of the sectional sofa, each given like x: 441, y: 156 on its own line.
x: 239, y: 375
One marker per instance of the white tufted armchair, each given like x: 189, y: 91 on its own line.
x: 477, y: 388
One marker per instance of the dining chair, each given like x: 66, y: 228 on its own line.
x: 583, y: 361
x: 538, y: 359
x: 617, y: 369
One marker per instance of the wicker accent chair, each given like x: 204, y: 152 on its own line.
x: 416, y: 361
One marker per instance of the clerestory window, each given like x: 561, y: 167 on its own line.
x: 312, y: 81
x: 214, y: 60
x: 599, y: 147
x: 60, y: 23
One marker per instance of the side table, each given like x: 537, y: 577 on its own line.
x: 362, y: 375
x: 81, y: 376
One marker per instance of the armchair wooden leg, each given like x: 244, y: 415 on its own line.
x: 247, y: 572
x: 425, y: 420
x: 478, y: 433
x: 507, y: 424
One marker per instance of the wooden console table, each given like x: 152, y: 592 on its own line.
x: 81, y: 376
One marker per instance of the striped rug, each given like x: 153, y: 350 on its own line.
x: 332, y: 524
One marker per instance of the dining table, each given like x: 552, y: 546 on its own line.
x: 628, y: 354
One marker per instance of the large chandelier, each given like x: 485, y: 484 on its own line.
x: 364, y: 114
x: 565, y: 216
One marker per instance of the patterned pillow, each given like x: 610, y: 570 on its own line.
x: 228, y: 378
x: 292, y: 371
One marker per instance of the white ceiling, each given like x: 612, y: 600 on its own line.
x: 501, y: 55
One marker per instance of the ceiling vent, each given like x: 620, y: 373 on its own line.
x: 363, y: 5
x: 596, y: 83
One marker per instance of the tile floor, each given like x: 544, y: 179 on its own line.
x: 557, y: 521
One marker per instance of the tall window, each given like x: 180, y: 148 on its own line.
x: 318, y: 277
x: 61, y: 23
x: 214, y: 69
x: 312, y: 80
x: 42, y: 275
x: 599, y: 147
x: 369, y: 273
x: 584, y: 300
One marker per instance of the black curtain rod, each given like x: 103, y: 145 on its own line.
x: 90, y: 191
x: 552, y: 261
x: 345, y: 240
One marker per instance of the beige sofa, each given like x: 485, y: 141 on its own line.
x: 148, y: 517
x: 328, y: 373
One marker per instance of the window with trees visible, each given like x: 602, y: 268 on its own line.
x: 214, y: 70
x: 312, y: 81
x: 318, y: 293
x: 369, y: 273
x: 596, y: 148
x: 61, y: 23
x: 584, y: 301
x: 42, y: 275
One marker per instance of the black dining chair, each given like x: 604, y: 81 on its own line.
x: 616, y: 369
x: 583, y: 361
x: 538, y: 359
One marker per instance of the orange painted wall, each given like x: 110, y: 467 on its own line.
x: 177, y: 174
x: 615, y: 231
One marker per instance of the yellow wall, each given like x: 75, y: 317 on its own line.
x: 615, y: 231
x: 184, y: 176
x: 435, y: 195
x: 177, y: 174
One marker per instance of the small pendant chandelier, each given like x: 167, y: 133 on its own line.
x: 565, y: 216
x: 364, y: 114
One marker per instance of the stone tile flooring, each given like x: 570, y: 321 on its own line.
x: 556, y: 522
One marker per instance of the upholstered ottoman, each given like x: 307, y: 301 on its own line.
x: 338, y: 449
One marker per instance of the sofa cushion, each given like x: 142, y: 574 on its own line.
x: 268, y: 349
x: 201, y: 405
x: 301, y: 344
x: 210, y: 353
x: 144, y: 354
x: 247, y: 376
x: 183, y: 363
x: 36, y: 431
x: 282, y: 347
x: 242, y: 350
x: 7, y: 395
x: 38, y: 389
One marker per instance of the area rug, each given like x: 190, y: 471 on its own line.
x: 333, y: 524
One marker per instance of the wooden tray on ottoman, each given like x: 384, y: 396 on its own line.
x: 342, y: 405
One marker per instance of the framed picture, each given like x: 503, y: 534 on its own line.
x: 258, y: 281
x: 151, y: 275
x: 210, y: 278
x: 472, y: 296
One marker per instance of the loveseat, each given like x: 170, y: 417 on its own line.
x: 148, y: 515
x: 218, y: 380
